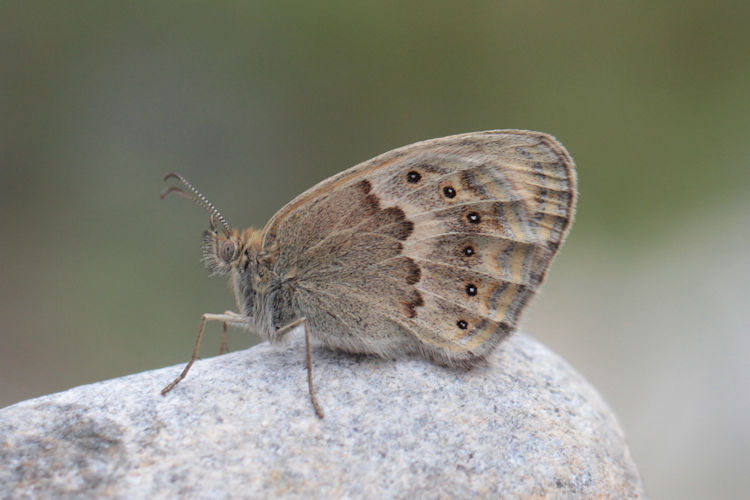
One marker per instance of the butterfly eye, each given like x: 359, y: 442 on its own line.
x: 471, y: 290
x: 227, y: 250
x: 449, y: 192
x: 474, y: 218
x: 468, y: 251
x: 462, y: 324
x: 413, y: 177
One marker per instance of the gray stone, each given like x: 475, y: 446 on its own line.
x: 524, y: 424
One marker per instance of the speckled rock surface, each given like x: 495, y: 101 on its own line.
x: 241, y: 425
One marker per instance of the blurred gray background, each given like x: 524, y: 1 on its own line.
x: 257, y: 101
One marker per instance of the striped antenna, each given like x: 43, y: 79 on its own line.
x: 199, y: 200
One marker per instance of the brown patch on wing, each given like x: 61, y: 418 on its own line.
x: 395, y: 217
x: 370, y: 202
x: 414, y: 273
x: 410, y: 307
x: 365, y: 186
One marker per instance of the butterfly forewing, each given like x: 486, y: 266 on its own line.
x: 434, y: 247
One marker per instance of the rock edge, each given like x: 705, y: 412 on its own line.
x: 524, y: 424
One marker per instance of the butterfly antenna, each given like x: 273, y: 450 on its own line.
x: 199, y: 199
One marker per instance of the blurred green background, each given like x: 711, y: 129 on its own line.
x: 257, y: 101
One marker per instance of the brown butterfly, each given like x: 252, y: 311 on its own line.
x: 434, y: 248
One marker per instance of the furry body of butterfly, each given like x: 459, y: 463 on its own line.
x: 433, y: 248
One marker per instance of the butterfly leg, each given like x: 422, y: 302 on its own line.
x: 223, y: 349
x: 228, y: 317
x: 285, y: 329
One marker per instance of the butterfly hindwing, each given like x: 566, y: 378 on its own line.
x: 435, y: 247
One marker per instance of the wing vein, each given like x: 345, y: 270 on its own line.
x: 479, y: 273
x: 446, y: 299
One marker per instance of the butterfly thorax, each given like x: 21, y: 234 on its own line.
x: 264, y: 296
x: 239, y: 255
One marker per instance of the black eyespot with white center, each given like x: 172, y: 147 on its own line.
x: 474, y: 218
x: 462, y: 324
x: 413, y: 177
x: 471, y: 290
x: 468, y: 251
x: 449, y: 192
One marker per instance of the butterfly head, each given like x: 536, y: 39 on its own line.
x: 223, y: 252
x: 223, y: 248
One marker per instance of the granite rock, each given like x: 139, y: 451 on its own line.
x: 523, y: 424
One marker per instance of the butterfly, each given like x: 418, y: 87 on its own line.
x: 433, y: 249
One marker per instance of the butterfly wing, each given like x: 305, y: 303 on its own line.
x: 435, y: 247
